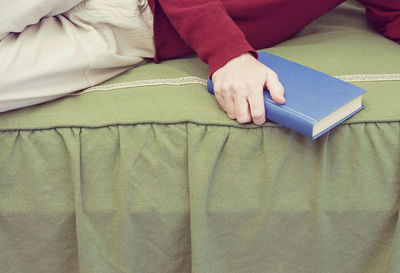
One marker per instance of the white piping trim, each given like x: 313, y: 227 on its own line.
x: 369, y: 77
x: 197, y: 80
x: 143, y: 83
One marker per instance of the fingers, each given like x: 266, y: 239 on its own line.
x: 227, y: 104
x: 239, y: 88
x: 257, y: 107
x: 246, y: 104
x: 242, y: 110
x: 241, y: 106
x: 275, y: 87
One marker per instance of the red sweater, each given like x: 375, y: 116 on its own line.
x: 219, y: 30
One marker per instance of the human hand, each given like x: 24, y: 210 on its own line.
x: 239, y: 88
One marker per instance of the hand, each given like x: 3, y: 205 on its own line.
x: 239, y: 87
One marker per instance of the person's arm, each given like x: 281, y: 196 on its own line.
x: 238, y: 77
x: 385, y: 15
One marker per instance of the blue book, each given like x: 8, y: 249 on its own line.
x: 315, y: 102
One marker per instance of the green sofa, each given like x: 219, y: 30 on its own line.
x: 146, y: 174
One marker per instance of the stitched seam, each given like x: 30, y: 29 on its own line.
x: 369, y: 77
x: 197, y: 80
x: 143, y: 83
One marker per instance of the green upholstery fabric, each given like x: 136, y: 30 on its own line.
x: 157, y: 179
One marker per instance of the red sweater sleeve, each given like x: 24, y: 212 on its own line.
x: 385, y: 15
x: 206, y: 27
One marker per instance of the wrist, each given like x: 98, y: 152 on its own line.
x: 222, y: 57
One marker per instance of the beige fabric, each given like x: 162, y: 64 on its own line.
x: 18, y: 14
x: 86, y: 45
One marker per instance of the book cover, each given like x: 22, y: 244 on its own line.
x: 315, y: 102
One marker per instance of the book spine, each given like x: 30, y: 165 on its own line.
x: 287, y: 118
x: 210, y: 86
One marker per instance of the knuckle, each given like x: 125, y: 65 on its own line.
x: 230, y: 85
x: 217, y: 88
x: 235, y: 88
x: 272, y: 74
x: 226, y: 88
x: 217, y: 93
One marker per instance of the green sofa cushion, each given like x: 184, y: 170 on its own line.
x: 340, y: 43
